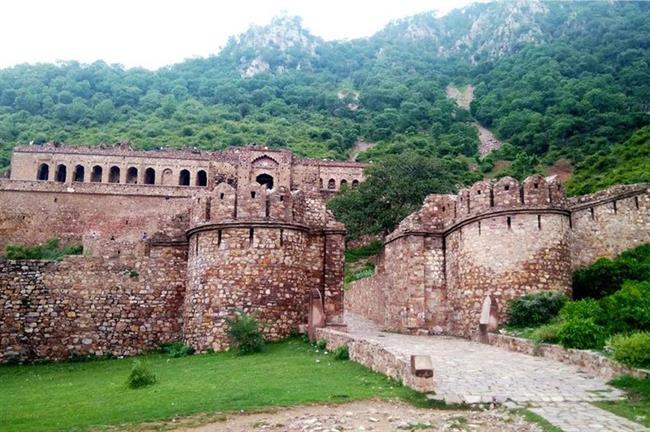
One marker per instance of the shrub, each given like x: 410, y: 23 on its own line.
x: 321, y: 344
x: 244, y: 333
x: 534, y: 309
x: 632, y: 350
x: 50, y: 250
x: 547, y: 333
x: 628, y: 310
x: 373, y: 248
x: 140, y: 376
x: 176, y: 349
x: 583, y: 309
x: 342, y: 353
x: 605, y: 277
x: 582, y: 334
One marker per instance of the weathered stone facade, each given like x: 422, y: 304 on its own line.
x: 495, y: 241
x: 174, y: 242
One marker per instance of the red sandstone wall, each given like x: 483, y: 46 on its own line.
x: 82, y: 305
x: 33, y: 212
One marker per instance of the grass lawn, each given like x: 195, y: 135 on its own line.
x: 637, y: 406
x: 76, y: 396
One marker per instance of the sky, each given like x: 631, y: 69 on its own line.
x: 155, y: 33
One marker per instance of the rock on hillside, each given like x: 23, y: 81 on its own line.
x: 278, y: 47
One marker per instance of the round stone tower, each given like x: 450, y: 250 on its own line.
x: 261, y: 251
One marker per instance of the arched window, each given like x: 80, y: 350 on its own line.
x: 266, y: 180
x: 96, y: 174
x: 201, y: 178
x: 331, y: 184
x: 43, y: 172
x: 344, y: 182
x: 184, y: 178
x: 355, y: 183
x: 150, y: 176
x: 114, y: 174
x: 132, y: 175
x: 61, y: 173
x: 79, y: 173
x: 167, y: 178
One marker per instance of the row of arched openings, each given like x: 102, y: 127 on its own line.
x: 96, y: 175
x: 331, y: 183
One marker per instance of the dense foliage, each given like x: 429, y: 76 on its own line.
x: 632, y: 350
x: 625, y: 163
x: 606, y: 276
x: 535, y: 309
x: 569, y: 80
x: 612, y: 301
x: 51, y: 250
x: 394, y: 188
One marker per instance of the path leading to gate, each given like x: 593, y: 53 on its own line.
x: 470, y: 372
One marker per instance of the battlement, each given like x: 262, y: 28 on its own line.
x: 442, y: 212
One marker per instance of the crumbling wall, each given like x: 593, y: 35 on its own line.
x: 87, y: 305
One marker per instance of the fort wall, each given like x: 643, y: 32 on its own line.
x: 90, y: 305
x: 606, y: 223
x: 253, y: 222
x: 490, y: 243
x: 221, y: 281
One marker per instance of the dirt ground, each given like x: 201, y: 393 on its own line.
x: 372, y: 415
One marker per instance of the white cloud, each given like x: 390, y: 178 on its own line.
x: 152, y: 33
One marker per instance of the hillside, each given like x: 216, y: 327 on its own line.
x: 552, y: 81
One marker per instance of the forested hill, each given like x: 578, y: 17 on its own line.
x: 554, y: 81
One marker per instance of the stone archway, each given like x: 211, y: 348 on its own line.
x: 265, y: 180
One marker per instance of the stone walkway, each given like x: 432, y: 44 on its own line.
x: 469, y: 372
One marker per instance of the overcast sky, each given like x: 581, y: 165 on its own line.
x: 154, y: 33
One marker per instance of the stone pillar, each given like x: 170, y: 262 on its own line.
x: 333, y: 267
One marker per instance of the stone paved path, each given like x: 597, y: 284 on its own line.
x: 470, y: 372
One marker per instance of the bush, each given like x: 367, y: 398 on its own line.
x: 353, y: 255
x: 582, y: 334
x: 628, y: 310
x: 244, y: 333
x: 176, y: 349
x: 50, y: 250
x: 605, y: 277
x: 140, y: 376
x: 582, y: 309
x: 632, y: 350
x: 534, y: 309
x: 321, y: 344
x: 547, y: 333
x: 342, y: 353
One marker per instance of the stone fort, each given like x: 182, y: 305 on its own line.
x: 176, y: 241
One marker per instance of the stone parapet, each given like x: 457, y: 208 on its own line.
x: 377, y: 357
x: 592, y: 362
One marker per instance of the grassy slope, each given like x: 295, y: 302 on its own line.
x: 626, y: 163
x: 74, y: 396
x: 637, y: 406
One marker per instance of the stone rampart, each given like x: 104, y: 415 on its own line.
x: 91, y: 306
x: 492, y: 242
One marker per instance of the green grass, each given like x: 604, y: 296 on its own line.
x: 637, y: 406
x: 544, y: 424
x: 51, y: 250
x: 77, y: 396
